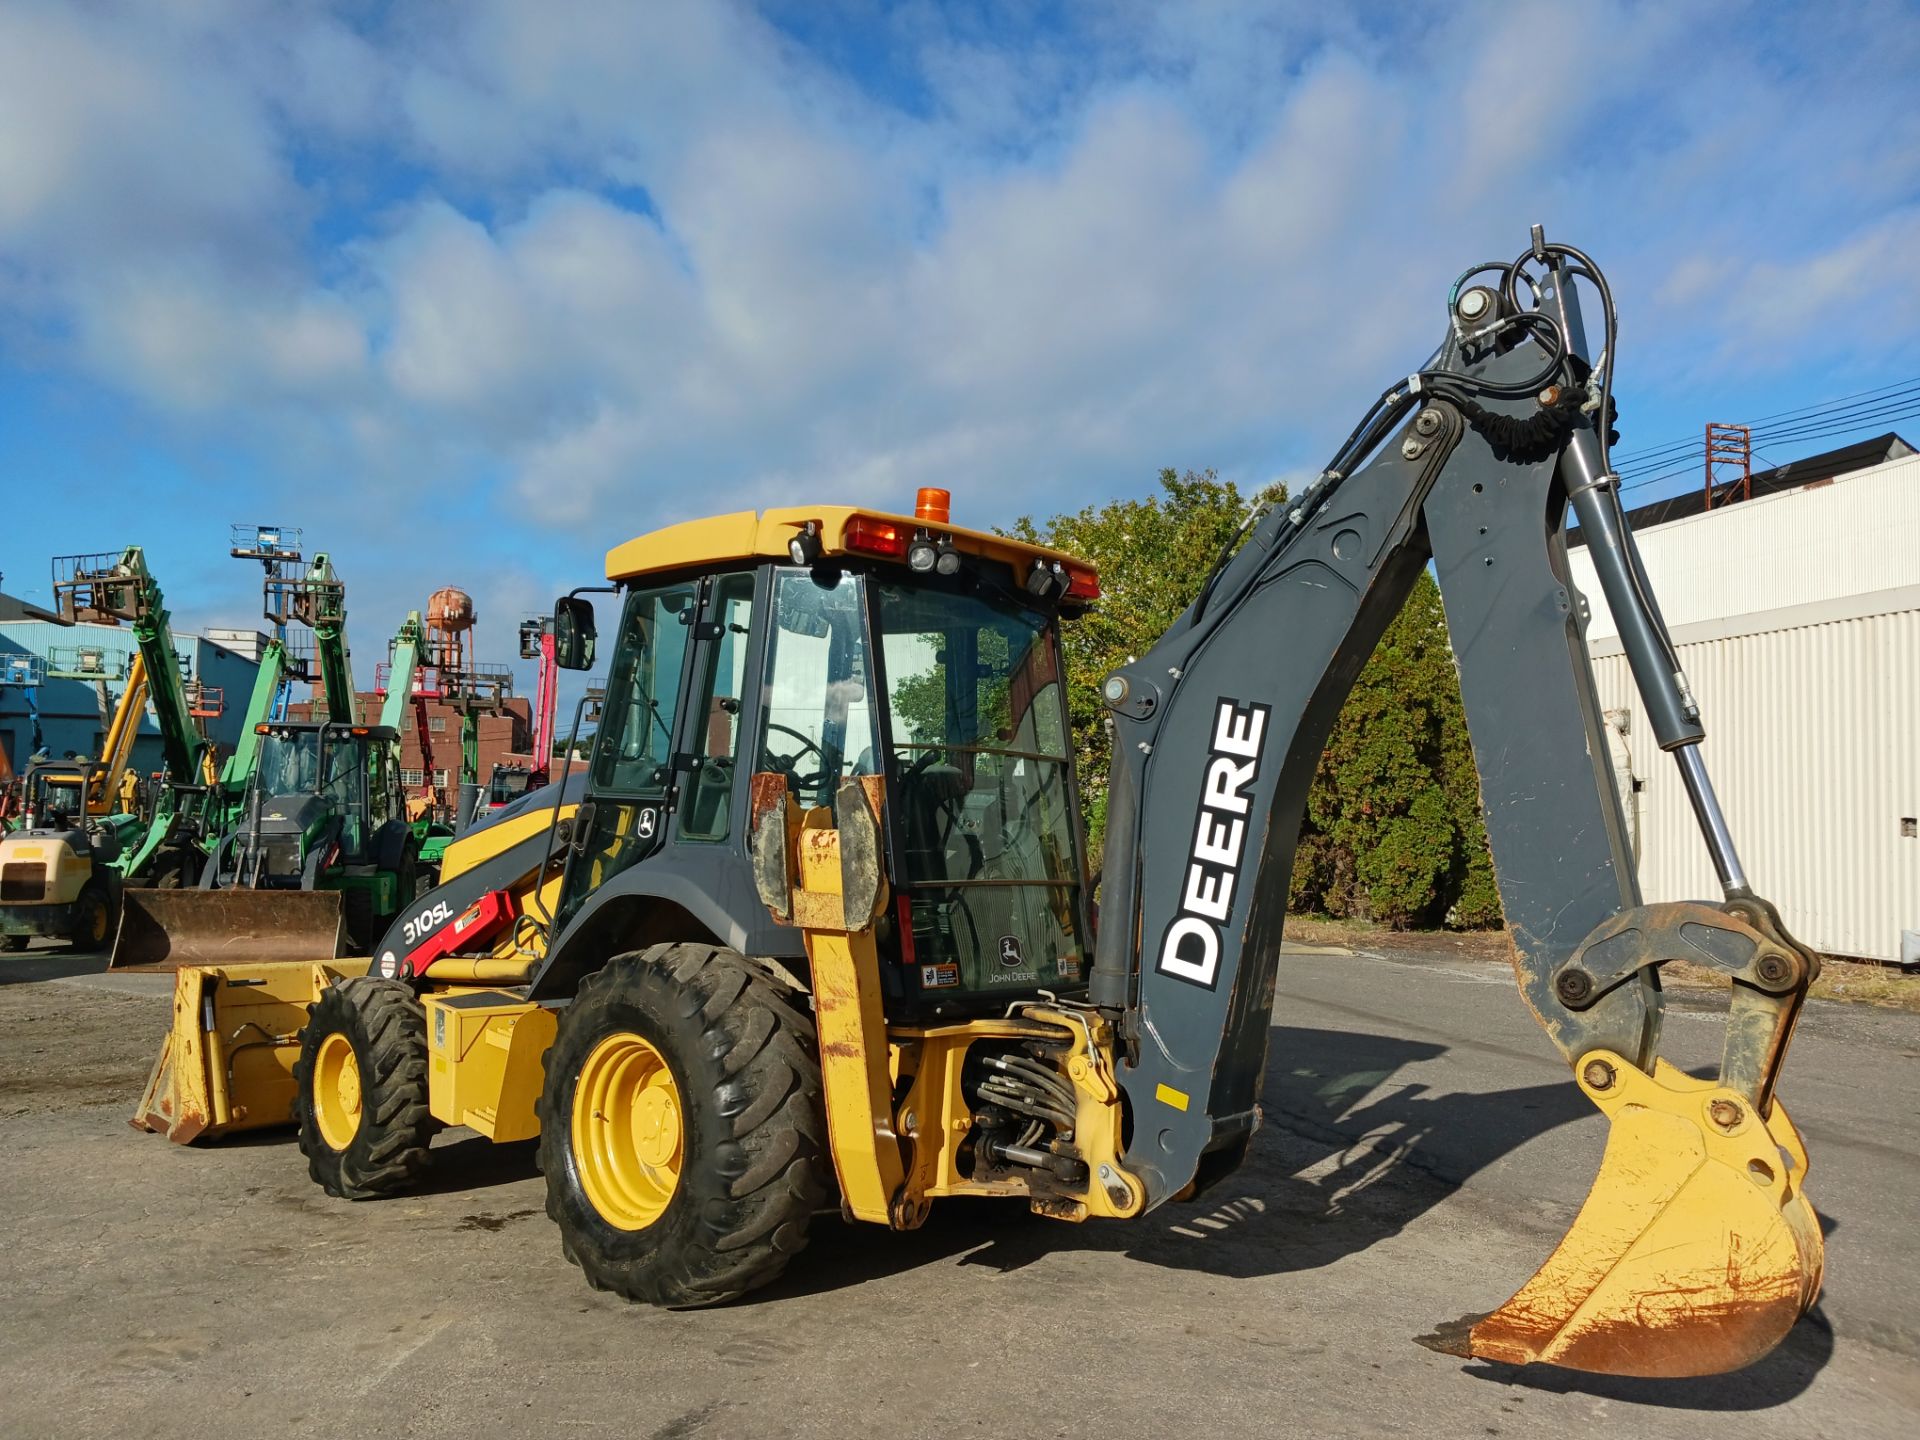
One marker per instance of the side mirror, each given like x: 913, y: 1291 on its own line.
x: 573, y: 633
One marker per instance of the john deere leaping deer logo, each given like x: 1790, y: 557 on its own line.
x: 1011, y: 955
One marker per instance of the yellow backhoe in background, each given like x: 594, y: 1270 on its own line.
x: 814, y: 924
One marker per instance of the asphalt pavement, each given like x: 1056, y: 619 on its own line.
x: 1423, y: 1152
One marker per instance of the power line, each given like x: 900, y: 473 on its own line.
x: 1827, y: 421
x: 1652, y: 453
x: 1692, y: 466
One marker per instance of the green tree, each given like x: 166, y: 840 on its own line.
x: 1393, y: 830
x: 1153, y: 555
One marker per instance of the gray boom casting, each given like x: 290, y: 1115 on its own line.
x: 1219, y: 727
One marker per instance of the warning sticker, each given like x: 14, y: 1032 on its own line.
x: 936, y: 977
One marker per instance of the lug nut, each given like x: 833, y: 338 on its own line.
x: 1724, y: 1113
x: 1573, y: 986
x: 1598, y: 1074
x: 1411, y: 448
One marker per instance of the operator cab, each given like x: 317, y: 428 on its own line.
x: 825, y: 645
x: 56, y: 793
x: 319, y: 783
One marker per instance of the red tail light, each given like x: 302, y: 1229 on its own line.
x: 1082, y: 584
x: 876, y: 537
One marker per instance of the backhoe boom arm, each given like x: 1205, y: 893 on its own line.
x: 1218, y: 730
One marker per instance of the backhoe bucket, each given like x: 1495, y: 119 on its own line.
x: 1696, y: 1249
x: 227, y: 1062
x: 169, y: 929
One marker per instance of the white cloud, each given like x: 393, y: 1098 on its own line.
x: 587, y: 261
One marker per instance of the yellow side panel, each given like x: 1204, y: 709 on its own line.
x: 462, y: 855
x: 484, y: 1062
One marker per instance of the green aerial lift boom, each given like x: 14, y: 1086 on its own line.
x: 321, y: 604
x: 103, y: 587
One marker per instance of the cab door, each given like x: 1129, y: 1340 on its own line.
x: 632, y: 776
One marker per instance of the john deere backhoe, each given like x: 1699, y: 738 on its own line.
x: 814, y: 921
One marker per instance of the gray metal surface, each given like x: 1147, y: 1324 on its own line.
x: 1290, y: 623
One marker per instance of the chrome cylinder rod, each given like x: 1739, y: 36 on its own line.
x: 1713, y: 824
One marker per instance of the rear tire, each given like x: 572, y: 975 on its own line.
x: 723, y: 1210
x: 361, y: 1101
x: 92, y: 919
x: 14, y: 944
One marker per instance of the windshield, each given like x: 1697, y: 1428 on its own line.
x: 289, y: 762
x: 58, y: 797
x: 978, y: 754
x: 507, y: 784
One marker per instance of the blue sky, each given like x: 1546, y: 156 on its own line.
x: 473, y: 292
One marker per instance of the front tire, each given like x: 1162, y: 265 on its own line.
x: 682, y: 1127
x: 14, y: 944
x: 361, y: 1101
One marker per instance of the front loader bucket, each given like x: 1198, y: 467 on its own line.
x: 169, y: 929
x: 227, y: 1062
x: 1696, y: 1249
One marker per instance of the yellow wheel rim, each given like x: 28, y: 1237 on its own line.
x: 628, y: 1132
x: 336, y: 1091
x: 97, y: 925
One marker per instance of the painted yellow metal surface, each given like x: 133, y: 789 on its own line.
x: 484, y: 1061
x: 855, y: 1063
x: 746, y: 537
x: 64, y: 874
x: 116, y: 750
x: 336, y: 1091
x: 629, y: 1131
x: 1696, y: 1249
x: 482, y: 845
x: 226, y: 1064
x: 934, y: 1116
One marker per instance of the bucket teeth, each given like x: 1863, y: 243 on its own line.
x: 1696, y: 1249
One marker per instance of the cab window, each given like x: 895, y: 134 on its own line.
x: 706, y: 809
x: 817, y: 715
x: 635, y: 750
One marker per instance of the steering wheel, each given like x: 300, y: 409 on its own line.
x: 785, y: 763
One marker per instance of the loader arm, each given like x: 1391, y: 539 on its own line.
x: 1218, y: 730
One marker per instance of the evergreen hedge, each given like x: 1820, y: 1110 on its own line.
x: 1393, y: 831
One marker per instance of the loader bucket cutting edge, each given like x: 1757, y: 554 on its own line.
x: 172, y: 929
x: 1696, y: 1249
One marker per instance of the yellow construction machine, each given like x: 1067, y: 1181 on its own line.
x: 813, y: 925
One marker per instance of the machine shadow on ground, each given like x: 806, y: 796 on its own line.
x: 1346, y: 1159
x: 32, y: 966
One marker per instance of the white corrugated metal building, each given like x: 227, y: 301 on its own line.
x: 1797, y: 617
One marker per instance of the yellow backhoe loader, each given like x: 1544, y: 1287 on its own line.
x: 813, y: 926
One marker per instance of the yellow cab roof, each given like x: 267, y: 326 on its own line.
x: 748, y: 535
